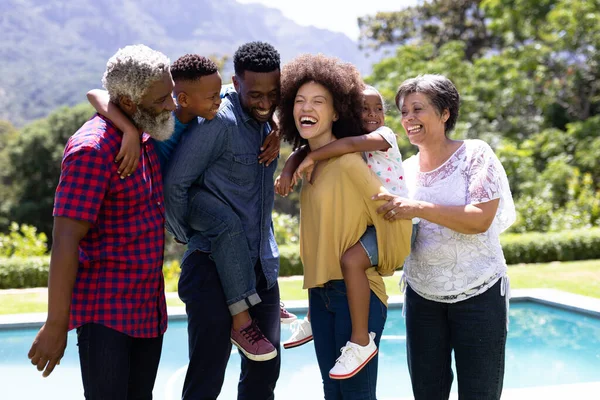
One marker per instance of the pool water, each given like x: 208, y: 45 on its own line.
x: 546, y: 346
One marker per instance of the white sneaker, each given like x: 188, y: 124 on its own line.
x: 301, y: 334
x: 354, y: 357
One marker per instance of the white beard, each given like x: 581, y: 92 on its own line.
x: 160, y: 126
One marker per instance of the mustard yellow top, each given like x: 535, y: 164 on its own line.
x: 334, y: 213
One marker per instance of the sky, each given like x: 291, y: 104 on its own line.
x: 335, y: 15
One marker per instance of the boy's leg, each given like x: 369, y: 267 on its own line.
x: 229, y: 249
x: 145, y: 356
x: 104, y: 359
x: 209, y: 327
x: 258, y: 379
x: 355, y: 261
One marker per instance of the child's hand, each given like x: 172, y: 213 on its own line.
x: 270, y: 148
x: 306, y: 167
x: 284, y: 184
x: 129, y: 154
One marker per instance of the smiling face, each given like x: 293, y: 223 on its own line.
x: 153, y: 113
x: 373, y: 114
x: 259, y: 93
x: 201, y: 97
x: 314, y: 113
x: 420, y: 118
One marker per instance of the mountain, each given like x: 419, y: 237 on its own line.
x: 53, y: 51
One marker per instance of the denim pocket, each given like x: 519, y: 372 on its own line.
x: 242, y: 170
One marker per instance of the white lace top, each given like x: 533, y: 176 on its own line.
x: 445, y: 265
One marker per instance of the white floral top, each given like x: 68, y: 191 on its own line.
x: 445, y: 265
x: 387, y: 165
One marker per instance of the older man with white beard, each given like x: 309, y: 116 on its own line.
x: 106, y: 263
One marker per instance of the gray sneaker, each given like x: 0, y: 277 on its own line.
x: 251, y: 341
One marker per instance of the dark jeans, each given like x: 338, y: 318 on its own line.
x: 217, y: 222
x: 115, y: 365
x: 209, y: 332
x: 332, y: 327
x: 474, y: 328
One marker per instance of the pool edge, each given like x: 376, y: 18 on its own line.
x: 551, y: 297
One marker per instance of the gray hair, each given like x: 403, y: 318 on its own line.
x: 441, y: 93
x: 132, y: 70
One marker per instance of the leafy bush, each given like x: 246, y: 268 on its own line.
x: 536, y: 247
x: 23, y: 272
x: 289, y: 260
x: 286, y: 228
x: 23, y: 241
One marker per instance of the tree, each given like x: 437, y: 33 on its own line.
x: 8, y: 135
x: 437, y: 22
x: 34, y: 165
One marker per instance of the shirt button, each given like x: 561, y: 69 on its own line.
x: 158, y: 203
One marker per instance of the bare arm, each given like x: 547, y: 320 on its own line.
x: 467, y: 219
x: 369, y: 142
x: 49, y: 345
x: 284, y: 183
x: 100, y: 100
x: 130, y: 146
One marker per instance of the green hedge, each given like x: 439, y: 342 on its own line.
x: 582, y: 244
x: 23, y: 272
x: 535, y: 247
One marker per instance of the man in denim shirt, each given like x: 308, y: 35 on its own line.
x: 220, y: 158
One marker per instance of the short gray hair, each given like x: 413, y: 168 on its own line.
x: 441, y: 93
x: 132, y: 70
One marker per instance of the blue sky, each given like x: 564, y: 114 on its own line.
x: 335, y: 15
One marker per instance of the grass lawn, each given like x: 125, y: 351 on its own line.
x: 580, y: 277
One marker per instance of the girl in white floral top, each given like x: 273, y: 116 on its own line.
x: 457, y: 290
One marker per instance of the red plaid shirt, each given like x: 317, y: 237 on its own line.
x: 119, y: 281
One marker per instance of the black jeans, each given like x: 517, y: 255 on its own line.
x: 209, y: 332
x: 474, y: 328
x: 115, y: 365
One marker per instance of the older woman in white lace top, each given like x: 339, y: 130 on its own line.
x: 456, y: 296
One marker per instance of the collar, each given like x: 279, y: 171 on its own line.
x: 234, y: 98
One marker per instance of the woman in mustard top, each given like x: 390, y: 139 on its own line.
x: 322, y: 101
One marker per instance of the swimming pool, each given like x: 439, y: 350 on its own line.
x: 546, y: 346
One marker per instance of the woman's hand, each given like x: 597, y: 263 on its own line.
x: 397, y: 207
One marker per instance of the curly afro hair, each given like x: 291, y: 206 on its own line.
x: 192, y: 67
x: 341, y: 79
x: 256, y: 57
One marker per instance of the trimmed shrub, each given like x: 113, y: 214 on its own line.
x: 289, y: 260
x: 24, y: 272
x: 533, y: 247
x: 536, y: 247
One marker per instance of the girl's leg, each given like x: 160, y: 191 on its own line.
x: 354, y: 263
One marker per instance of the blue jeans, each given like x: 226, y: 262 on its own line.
x: 115, y: 365
x: 209, y: 332
x: 332, y: 327
x: 217, y: 222
x: 474, y: 328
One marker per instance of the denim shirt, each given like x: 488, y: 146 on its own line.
x: 221, y: 156
x: 166, y: 148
